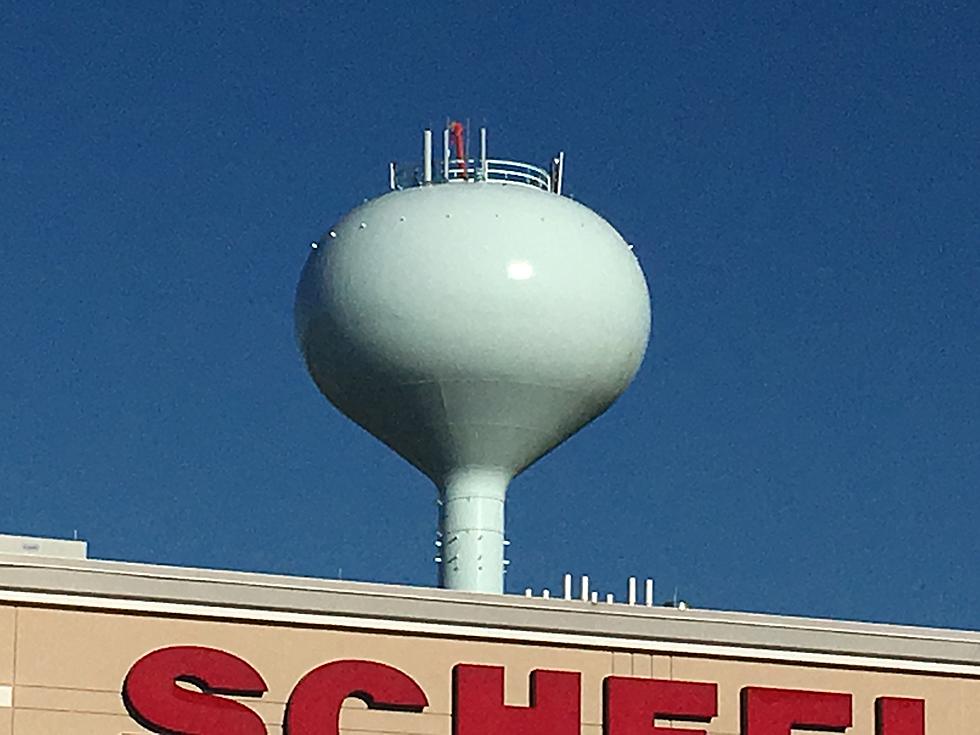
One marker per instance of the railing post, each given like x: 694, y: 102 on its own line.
x: 560, y: 172
x: 392, y: 183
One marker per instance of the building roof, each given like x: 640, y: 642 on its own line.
x: 97, y: 585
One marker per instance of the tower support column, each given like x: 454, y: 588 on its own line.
x: 471, y: 521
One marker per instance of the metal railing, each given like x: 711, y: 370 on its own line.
x: 497, y: 169
x: 472, y: 170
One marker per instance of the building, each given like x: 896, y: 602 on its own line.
x: 76, y: 633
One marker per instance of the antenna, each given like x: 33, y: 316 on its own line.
x: 427, y: 156
x: 484, y: 164
x: 445, y: 154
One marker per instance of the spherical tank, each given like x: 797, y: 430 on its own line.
x: 472, y: 327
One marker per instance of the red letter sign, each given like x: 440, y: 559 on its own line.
x: 779, y: 711
x: 156, y: 702
x: 479, y: 709
x: 897, y: 716
x: 630, y: 705
x: 314, y: 705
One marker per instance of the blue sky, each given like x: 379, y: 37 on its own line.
x: 799, y: 180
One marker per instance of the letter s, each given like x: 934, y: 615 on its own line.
x: 156, y: 702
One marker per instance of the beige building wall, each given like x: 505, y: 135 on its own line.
x: 66, y: 669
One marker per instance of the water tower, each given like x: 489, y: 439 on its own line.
x: 472, y: 318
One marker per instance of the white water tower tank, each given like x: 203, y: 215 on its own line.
x: 472, y: 318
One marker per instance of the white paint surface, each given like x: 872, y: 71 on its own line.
x: 472, y: 328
